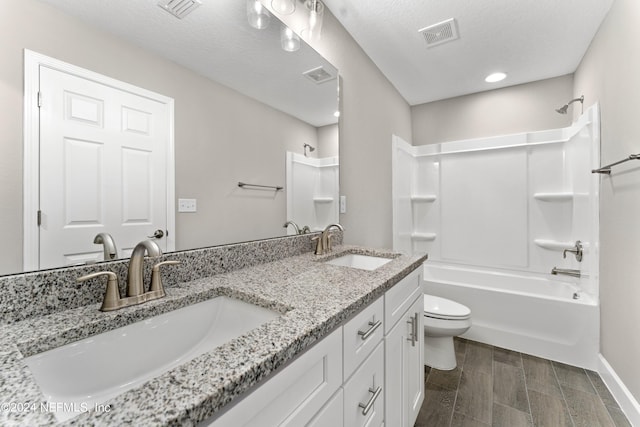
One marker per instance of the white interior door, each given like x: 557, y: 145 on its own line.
x: 103, y: 165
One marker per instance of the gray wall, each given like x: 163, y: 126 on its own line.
x: 372, y: 111
x: 522, y: 108
x: 214, y: 146
x: 610, y: 74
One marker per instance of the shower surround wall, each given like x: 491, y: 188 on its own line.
x: 506, y: 205
x: 312, y: 191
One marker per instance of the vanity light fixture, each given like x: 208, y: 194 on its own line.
x: 316, y: 13
x: 257, y: 15
x: 495, y: 77
x: 284, y: 7
x: 288, y: 39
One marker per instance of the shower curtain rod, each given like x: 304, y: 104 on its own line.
x: 607, y: 169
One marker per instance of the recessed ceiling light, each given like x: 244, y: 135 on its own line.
x: 336, y: 114
x: 495, y: 77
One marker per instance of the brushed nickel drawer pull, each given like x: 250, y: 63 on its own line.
x: 414, y: 336
x: 367, y: 407
x: 368, y: 332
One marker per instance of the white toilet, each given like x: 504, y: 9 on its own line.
x: 443, y: 320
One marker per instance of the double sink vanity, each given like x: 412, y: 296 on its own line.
x: 272, y: 335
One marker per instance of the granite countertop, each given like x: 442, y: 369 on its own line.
x: 313, y: 297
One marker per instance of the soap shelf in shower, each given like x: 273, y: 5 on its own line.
x: 553, y: 245
x: 323, y: 199
x: 555, y: 196
x: 427, y: 198
x: 425, y: 237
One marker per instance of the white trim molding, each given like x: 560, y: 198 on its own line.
x: 620, y: 392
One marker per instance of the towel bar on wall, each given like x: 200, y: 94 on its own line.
x: 244, y: 184
x: 607, y: 169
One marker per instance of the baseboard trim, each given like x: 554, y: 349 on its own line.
x: 620, y: 392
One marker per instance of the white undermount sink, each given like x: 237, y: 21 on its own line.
x: 363, y: 262
x: 93, y: 370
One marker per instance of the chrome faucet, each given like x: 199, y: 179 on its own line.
x: 135, y: 280
x: 304, y: 229
x: 110, y: 250
x: 576, y: 250
x: 295, y: 226
x: 324, y: 240
x: 566, y: 272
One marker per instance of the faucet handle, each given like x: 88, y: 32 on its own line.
x: 156, y: 276
x: 111, y: 299
x: 576, y: 250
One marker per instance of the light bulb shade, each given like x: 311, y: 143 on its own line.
x: 316, y: 13
x: 284, y: 7
x: 257, y: 15
x: 289, y: 40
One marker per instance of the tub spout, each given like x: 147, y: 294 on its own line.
x: 565, y: 271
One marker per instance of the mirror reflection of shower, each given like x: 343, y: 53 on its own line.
x: 565, y: 107
x: 310, y: 147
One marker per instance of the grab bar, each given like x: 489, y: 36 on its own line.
x: 275, y: 187
x: 566, y: 272
x: 607, y: 169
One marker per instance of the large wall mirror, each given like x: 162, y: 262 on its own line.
x: 243, y: 106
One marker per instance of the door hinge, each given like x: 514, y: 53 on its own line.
x: 39, y: 99
x: 39, y: 218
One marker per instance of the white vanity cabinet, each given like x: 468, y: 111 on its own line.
x: 369, y: 372
x: 404, y: 352
x: 364, y: 367
x: 294, y: 395
x: 364, y: 392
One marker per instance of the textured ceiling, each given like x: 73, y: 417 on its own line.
x: 527, y: 39
x: 217, y: 42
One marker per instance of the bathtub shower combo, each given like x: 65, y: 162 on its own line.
x: 511, y: 227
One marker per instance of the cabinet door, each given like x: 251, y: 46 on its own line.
x: 404, y: 370
x: 415, y: 362
x: 364, y: 392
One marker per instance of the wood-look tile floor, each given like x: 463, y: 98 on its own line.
x: 501, y: 388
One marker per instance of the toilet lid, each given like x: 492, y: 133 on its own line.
x: 442, y: 308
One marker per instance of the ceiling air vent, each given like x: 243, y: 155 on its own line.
x: 319, y: 75
x: 179, y: 8
x: 441, y: 32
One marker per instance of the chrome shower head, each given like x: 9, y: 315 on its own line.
x: 310, y: 147
x: 565, y: 107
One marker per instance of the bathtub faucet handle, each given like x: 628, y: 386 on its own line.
x: 576, y: 250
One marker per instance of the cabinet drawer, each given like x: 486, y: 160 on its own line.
x: 399, y: 298
x: 331, y: 414
x: 365, y: 389
x: 294, y: 395
x: 361, y: 335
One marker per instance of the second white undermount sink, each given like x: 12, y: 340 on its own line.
x: 363, y: 262
x: 93, y: 370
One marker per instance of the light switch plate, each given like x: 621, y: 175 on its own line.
x: 343, y: 204
x: 187, y: 205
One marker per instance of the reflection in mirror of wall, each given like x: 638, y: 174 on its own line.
x: 241, y: 102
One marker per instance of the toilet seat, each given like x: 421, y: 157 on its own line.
x: 442, y: 308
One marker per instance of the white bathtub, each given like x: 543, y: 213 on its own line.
x: 537, y: 315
